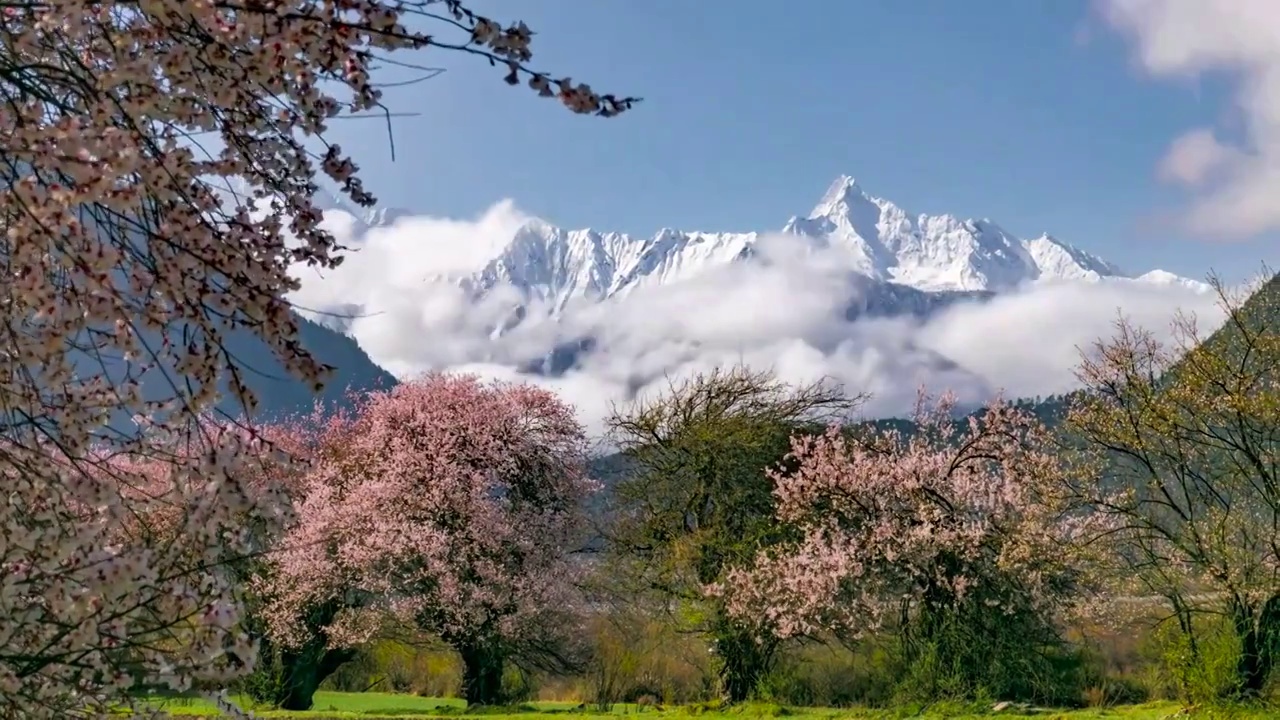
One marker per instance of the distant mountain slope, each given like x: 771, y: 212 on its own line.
x: 280, y: 394
x: 1260, y: 312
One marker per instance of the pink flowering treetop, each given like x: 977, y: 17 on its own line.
x: 907, y: 532
x: 447, y: 504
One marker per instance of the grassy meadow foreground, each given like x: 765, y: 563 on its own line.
x: 404, y: 707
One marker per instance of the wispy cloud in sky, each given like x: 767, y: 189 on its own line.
x: 1235, y: 182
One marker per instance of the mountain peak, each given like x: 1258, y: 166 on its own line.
x: 844, y: 182
x: 843, y: 189
x: 537, y: 226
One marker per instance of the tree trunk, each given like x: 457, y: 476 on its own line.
x: 744, y: 658
x: 1259, y: 633
x: 303, y: 671
x: 740, y: 671
x: 482, y: 666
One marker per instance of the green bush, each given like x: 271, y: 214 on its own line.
x: 1197, y: 666
x: 392, y: 666
x: 831, y: 676
x: 987, y: 660
x: 973, y: 652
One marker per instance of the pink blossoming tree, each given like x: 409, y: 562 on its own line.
x: 948, y: 536
x: 122, y: 259
x: 445, y: 504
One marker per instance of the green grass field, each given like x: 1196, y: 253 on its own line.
x: 370, y: 706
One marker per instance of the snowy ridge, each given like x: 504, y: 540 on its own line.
x: 939, y: 252
x: 555, y: 266
x: 876, y: 238
x: 872, y: 237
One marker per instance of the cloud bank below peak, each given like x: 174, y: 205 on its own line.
x: 423, y: 293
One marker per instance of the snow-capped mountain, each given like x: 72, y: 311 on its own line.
x: 938, y: 252
x: 897, y: 262
x: 615, y: 312
x: 873, y: 237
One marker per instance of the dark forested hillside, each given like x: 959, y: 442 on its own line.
x: 280, y: 393
x: 1260, y: 313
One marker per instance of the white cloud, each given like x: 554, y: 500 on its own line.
x: 1029, y: 343
x: 1236, y: 186
x: 1197, y: 157
x: 786, y: 312
x: 405, y: 318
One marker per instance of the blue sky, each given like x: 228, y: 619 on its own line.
x: 1030, y: 112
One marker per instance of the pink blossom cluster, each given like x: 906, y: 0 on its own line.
x: 888, y: 520
x: 104, y: 580
x: 444, y: 503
